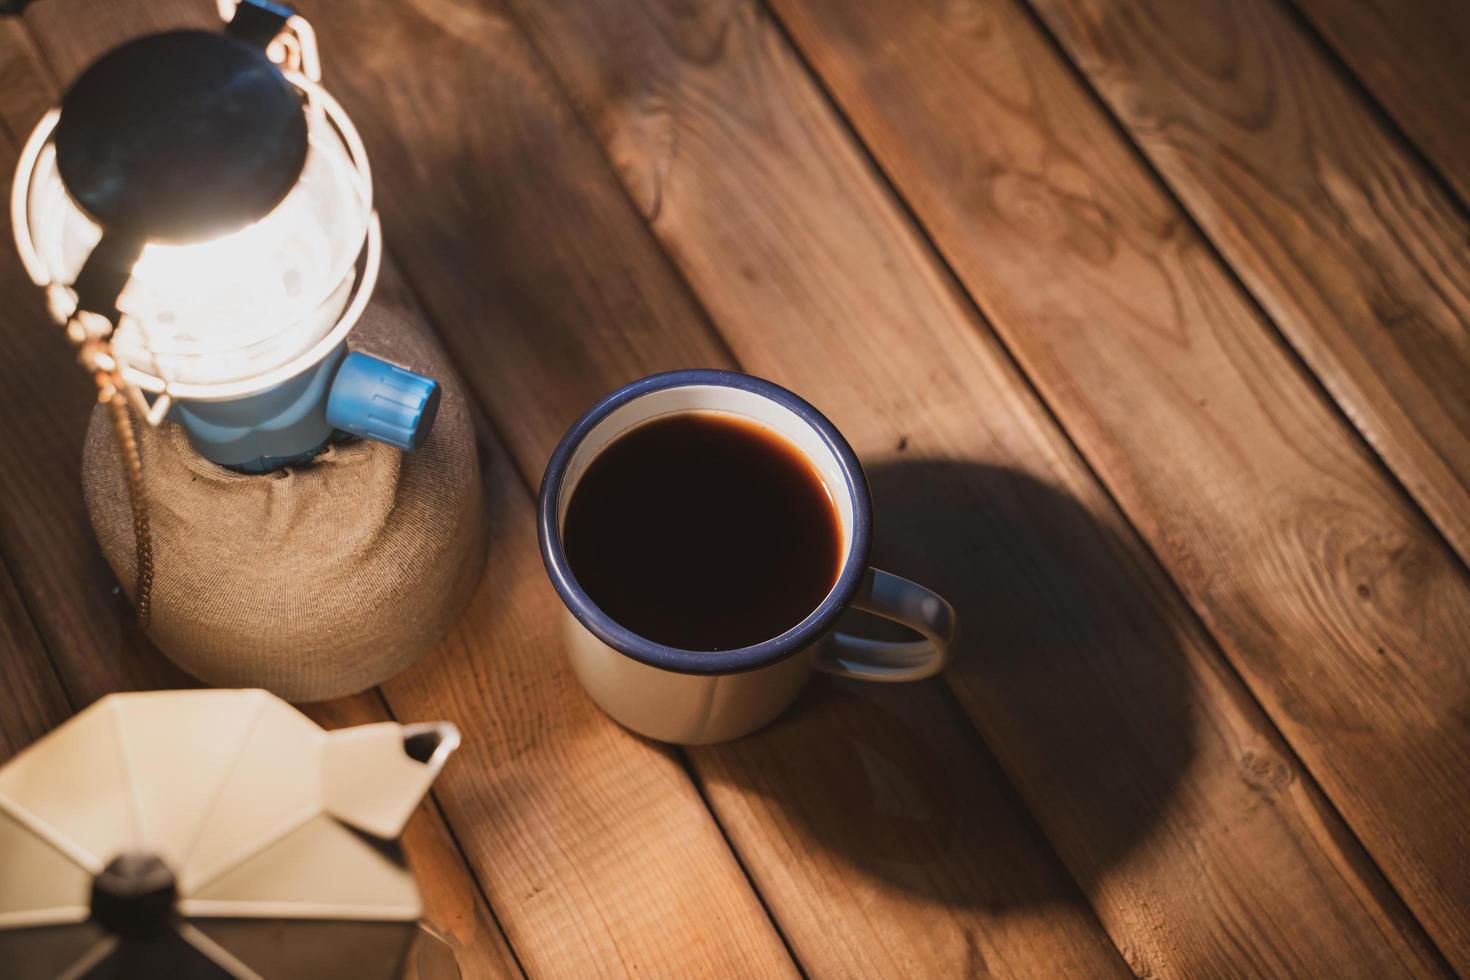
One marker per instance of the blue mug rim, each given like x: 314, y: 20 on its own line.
x: 646, y: 651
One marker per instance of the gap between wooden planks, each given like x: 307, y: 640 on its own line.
x: 544, y: 840
x: 1410, y: 54
x: 1350, y: 246
x: 34, y: 702
x: 813, y: 278
x: 1340, y: 607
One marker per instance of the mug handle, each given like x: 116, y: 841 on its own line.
x: 908, y: 604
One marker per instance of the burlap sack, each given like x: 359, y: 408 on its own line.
x: 312, y: 582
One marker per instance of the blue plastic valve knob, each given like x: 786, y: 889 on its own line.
x: 374, y: 399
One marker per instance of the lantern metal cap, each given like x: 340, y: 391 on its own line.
x: 180, y: 136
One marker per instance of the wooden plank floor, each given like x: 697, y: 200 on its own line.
x: 1410, y: 57
x: 1151, y: 322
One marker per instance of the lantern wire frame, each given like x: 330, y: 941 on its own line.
x: 119, y: 384
x: 295, y: 50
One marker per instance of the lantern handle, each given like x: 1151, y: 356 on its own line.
x: 256, y: 22
x: 288, y: 38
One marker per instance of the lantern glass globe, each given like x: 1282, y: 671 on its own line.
x: 240, y: 304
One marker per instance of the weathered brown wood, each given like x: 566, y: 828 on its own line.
x: 1334, y: 227
x: 539, y: 344
x: 32, y: 701
x: 1091, y: 609
x: 490, y: 677
x: 886, y: 846
x: 699, y: 103
x: 1341, y: 608
x: 1411, y: 55
x: 815, y: 279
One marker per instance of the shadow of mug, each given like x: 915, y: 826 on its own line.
x: 1064, y: 663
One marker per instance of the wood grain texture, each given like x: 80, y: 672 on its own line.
x: 1342, y: 610
x: 815, y: 279
x: 1357, y: 256
x: 540, y: 340
x: 889, y: 846
x: 521, y: 249
x: 605, y: 786
x: 1411, y: 56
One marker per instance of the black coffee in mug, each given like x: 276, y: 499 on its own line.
x: 703, y: 531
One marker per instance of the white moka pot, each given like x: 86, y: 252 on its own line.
x: 164, y: 831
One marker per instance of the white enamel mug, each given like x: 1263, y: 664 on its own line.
x: 695, y: 697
